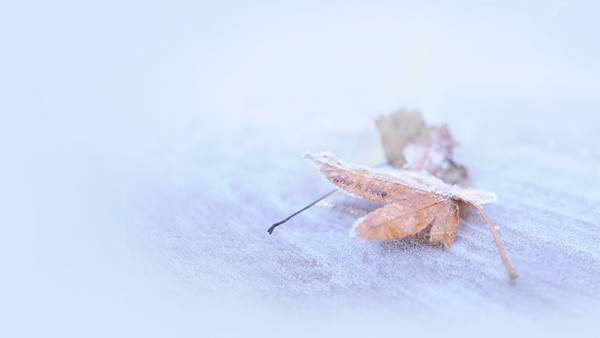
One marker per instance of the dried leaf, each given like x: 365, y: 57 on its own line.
x: 410, y: 144
x: 397, y: 131
x: 446, y: 225
x: 416, y: 200
x: 391, y: 185
x: 456, y: 174
x: 400, y: 219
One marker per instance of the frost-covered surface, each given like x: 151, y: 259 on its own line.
x: 149, y: 147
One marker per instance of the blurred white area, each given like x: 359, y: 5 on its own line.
x: 144, y: 142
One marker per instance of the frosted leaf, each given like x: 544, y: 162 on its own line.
x: 412, y: 145
x: 390, y: 185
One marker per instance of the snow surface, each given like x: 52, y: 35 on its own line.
x: 148, y: 147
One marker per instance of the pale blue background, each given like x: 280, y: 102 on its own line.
x: 148, y: 145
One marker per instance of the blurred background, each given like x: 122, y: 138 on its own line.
x: 147, y: 146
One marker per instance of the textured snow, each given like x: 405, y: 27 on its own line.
x: 147, y: 147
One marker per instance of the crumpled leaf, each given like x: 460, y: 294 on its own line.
x: 397, y: 131
x: 391, y: 185
x: 444, y: 228
x: 415, y: 199
x: 398, y: 220
x: 410, y: 144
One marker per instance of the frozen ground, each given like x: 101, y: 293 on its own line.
x: 149, y: 147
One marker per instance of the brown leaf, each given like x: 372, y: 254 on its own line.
x: 378, y: 186
x: 431, y: 152
x: 416, y: 200
x: 456, y: 174
x: 410, y: 144
x: 401, y: 219
x: 445, y: 225
x: 397, y: 131
x: 386, y: 185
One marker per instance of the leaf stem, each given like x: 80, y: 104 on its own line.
x: 299, y: 211
x: 511, y: 272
